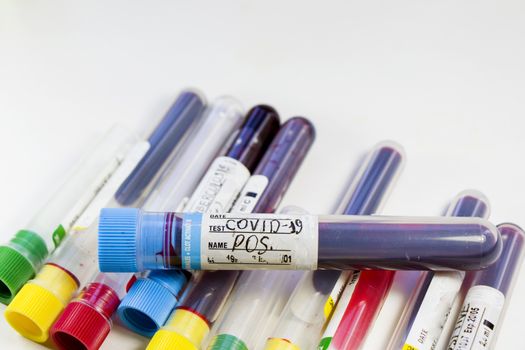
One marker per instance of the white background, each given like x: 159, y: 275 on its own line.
x: 446, y: 79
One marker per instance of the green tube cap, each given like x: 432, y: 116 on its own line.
x: 227, y: 342
x: 19, y: 261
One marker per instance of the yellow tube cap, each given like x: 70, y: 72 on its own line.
x: 189, y: 325
x: 33, y: 311
x: 280, y: 344
x: 166, y: 340
x: 39, y: 303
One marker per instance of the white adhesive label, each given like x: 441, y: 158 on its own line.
x: 433, y: 311
x: 107, y: 189
x: 478, y: 319
x: 335, y: 294
x: 219, y: 187
x: 250, y: 194
x: 340, y: 306
x: 249, y: 241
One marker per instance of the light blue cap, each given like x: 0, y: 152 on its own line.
x: 117, y: 239
x: 150, y: 301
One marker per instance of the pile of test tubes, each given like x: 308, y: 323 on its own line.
x: 178, y: 236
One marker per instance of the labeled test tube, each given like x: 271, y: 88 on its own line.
x: 429, y: 305
x: 217, y: 190
x: 72, y: 331
x: 41, y: 300
x: 481, y: 315
x: 227, y: 174
x: 312, y: 302
x: 190, y: 322
x: 26, y: 252
x: 167, y: 240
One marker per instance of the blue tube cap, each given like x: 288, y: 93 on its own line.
x: 150, y: 301
x: 117, y: 247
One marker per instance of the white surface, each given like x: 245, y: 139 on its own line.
x: 444, y: 78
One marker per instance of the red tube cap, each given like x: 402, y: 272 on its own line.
x: 80, y: 327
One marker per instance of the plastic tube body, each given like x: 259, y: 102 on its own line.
x: 429, y: 305
x: 482, y: 312
x: 223, y: 117
x: 277, y: 168
x: 185, y: 328
x: 256, y: 302
x: 24, y: 255
x: 182, y: 115
x: 313, y: 300
x: 224, y: 241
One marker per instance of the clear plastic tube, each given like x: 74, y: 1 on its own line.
x: 25, y: 253
x: 368, y: 294
x: 189, y: 324
x: 259, y: 310
x: 313, y: 300
x: 167, y: 240
x: 164, y: 140
x: 483, y: 309
x: 216, y: 192
x: 227, y: 174
x: 41, y: 300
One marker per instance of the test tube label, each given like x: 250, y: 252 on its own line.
x: 336, y: 292
x: 435, y: 307
x: 477, y: 319
x: 219, y: 187
x: 231, y: 241
x: 339, y: 311
x: 108, y: 188
x: 250, y: 194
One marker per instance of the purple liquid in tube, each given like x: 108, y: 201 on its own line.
x: 259, y: 129
x: 282, y: 160
x: 407, y: 245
